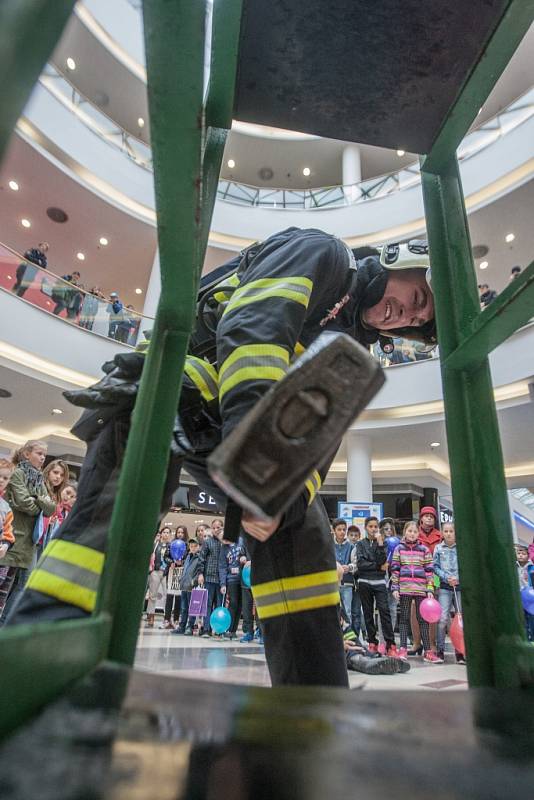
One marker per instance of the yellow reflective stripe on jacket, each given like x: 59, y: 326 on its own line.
x: 204, y: 376
x: 69, y: 572
x: 297, y: 289
x: 293, y: 595
x: 142, y: 347
x: 313, y: 484
x: 226, y: 288
x: 253, y: 362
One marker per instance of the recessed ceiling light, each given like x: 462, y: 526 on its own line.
x: 103, y: 241
x: 401, y: 152
x: 139, y: 291
x: 57, y: 411
x: 13, y: 185
x: 483, y: 264
x: 25, y: 223
x: 71, y: 64
x: 306, y: 172
x: 141, y: 122
x: 231, y: 163
x: 80, y: 256
x: 435, y: 444
x: 509, y: 237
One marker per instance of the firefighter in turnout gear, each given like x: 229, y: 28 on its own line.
x: 256, y: 315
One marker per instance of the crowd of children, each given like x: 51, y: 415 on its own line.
x: 33, y: 503
x: 389, y: 577
x: 207, y: 561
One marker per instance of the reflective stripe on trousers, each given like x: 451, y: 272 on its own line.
x: 292, y: 595
x: 69, y: 572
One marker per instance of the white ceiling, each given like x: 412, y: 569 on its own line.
x: 102, y: 77
x: 122, y: 266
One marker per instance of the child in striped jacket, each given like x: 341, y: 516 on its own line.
x: 412, y: 579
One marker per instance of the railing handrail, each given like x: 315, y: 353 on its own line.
x: 59, y: 278
x: 306, y: 199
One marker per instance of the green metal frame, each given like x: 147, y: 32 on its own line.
x: 188, y: 138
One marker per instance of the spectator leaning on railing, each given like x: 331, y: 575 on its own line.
x: 26, y: 273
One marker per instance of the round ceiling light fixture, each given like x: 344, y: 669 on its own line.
x: 25, y: 223
x: 266, y: 173
x: 71, y: 64
x: 306, y: 172
x: 139, y: 291
x: 401, y: 153
x: 509, y: 237
x: 13, y: 185
x: 484, y: 264
x: 435, y: 444
x: 57, y: 411
x: 231, y: 163
x: 103, y: 241
x: 80, y: 256
x: 140, y: 122
x: 57, y: 214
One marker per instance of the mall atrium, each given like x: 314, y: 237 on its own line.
x: 157, y: 147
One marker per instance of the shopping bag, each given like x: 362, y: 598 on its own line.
x: 198, y: 604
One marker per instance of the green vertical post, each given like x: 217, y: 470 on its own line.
x: 174, y: 41
x: 29, y: 31
x: 494, y: 629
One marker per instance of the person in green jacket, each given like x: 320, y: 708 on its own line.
x: 28, y: 496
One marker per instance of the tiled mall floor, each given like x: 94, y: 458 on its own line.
x: 232, y: 662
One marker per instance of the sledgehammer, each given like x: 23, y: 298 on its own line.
x: 297, y: 427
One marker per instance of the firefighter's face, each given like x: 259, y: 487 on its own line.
x: 407, y: 302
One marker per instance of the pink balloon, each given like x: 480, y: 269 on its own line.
x: 430, y: 610
x: 457, y: 634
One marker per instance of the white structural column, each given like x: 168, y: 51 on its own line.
x: 153, y: 290
x: 359, y: 478
x: 352, y: 170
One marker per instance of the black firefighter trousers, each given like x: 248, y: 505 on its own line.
x: 293, y: 574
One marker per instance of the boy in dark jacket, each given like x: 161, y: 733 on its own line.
x: 371, y: 560
x: 232, y: 558
x: 187, y: 584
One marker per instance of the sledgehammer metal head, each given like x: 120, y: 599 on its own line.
x: 297, y: 426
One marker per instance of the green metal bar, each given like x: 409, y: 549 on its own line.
x: 29, y: 31
x: 38, y: 662
x: 496, y: 54
x: 490, y: 596
x: 512, y: 309
x: 174, y: 42
x: 226, y: 27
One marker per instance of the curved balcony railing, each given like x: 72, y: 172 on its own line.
x: 293, y: 199
x: 90, y: 310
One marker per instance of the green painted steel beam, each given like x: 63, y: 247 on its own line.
x: 498, y: 51
x: 512, y: 309
x: 174, y: 43
x: 494, y: 625
x: 39, y: 662
x: 226, y: 27
x: 29, y: 31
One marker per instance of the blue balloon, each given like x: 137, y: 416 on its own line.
x: 527, y: 598
x: 220, y: 620
x: 178, y: 549
x: 391, y: 543
x: 245, y: 576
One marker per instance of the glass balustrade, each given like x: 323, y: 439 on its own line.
x: 480, y: 137
x: 71, y: 301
